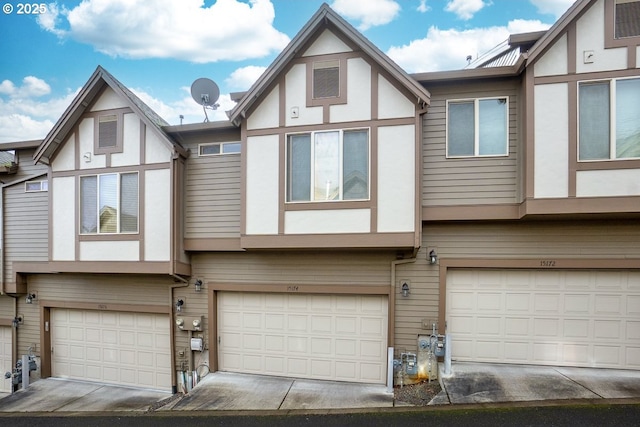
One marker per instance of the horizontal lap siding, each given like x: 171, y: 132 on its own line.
x: 212, y: 199
x: 468, y: 181
x: 536, y: 240
x: 26, y: 221
x: 308, y: 268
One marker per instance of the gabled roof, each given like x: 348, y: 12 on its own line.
x: 89, y: 92
x: 317, y: 23
x: 557, y: 29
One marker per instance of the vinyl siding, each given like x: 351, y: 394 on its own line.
x: 300, y: 268
x: 468, y: 181
x: 212, y: 195
x: 26, y: 221
x: 540, y: 240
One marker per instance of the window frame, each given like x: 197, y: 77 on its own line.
x: 476, y: 114
x: 119, y: 145
x: 43, y: 184
x: 119, y: 231
x: 312, y: 166
x: 222, y: 146
x: 612, y: 82
x: 610, y: 40
x: 342, y: 84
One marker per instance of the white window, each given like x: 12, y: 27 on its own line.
x: 109, y: 203
x: 609, y: 119
x: 478, y: 127
x: 36, y: 186
x: 215, y: 149
x: 328, y: 166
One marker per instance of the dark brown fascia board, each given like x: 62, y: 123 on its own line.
x: 96, y: 83
x: 558, y: 28
x: 237, y: 96
x: 525, y: 38
x: 20, y: 145
x: 471, y: 73
x: 323, y: 15
x: 198, y: 127
x: 71, y: 115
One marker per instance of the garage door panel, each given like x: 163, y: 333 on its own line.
x: 112, y: 347
x: 570, y: 318
x: 5, y: 356
x: 310, y: 336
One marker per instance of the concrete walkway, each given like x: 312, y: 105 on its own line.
x: 469, y: 383
x: 484, y: 383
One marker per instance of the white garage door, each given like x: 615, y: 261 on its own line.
x: 5, y: 357
x: 121, y: 348
x: 563, y: 318
x: 329, y: 337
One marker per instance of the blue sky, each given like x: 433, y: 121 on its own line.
x: 159, y: 47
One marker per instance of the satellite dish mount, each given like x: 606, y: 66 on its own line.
x: 205, y: 92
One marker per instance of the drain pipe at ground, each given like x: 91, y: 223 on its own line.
x: 392, y: 304
x: 172, y: 334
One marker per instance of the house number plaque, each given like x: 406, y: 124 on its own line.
x: 548, y: 263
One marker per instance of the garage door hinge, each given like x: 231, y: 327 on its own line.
x: 51, y: 350
x: 218, y: 340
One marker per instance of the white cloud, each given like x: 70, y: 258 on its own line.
x: 184, y: 30
x: 187, y: 107
x: 552, y: 7
x: 243, y: 78
x: 370, y: 13
x: 25, y: 111
x: 465, y: 9
x: 448, y: 49
x: 422, y: 7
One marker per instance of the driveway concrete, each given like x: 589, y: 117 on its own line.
x: 231, y: 391
x: 57, y: 395
x: 468, y: 383
x: 482, y: 383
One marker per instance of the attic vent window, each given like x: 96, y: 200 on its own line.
x: 107, y: 131
x: 627, y: 21
x: 326, y: 79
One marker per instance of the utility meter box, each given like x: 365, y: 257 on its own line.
x: 189, y: 323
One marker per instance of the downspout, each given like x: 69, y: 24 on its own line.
x: 392, y: 296
x: 172, y: 334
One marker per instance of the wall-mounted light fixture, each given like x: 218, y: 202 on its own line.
x: 433, y: 256
x: 179, y: 305
x: 405, y: 289
x: 30, y: 297
x: 198, y: 285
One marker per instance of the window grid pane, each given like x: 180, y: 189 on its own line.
x: 355, y: 165
x: 107, y: 131
x: 299, y: 168
x: 327, y: 166
x: 461, y: 129
x: 628, y: 118
x: 108, y: 204
x: 594, y: 127
x: 129, y: 203
x: 89, y: 205
x: 493, y: 127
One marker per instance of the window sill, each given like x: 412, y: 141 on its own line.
x: 327, y: 205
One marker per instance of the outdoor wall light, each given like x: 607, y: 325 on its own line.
x: 198, y: 285
x: 30, y: 298
x: 433, y: 257
x: 179, y: 305
x: 405, y: 289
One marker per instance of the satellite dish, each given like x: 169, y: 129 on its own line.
x: 205, y: 92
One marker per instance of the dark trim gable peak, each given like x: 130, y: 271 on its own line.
x: 92, y: 89
x: 324, y: 17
